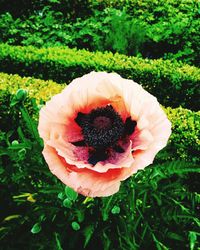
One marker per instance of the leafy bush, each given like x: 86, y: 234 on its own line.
x: 153, y: 29
x: 37, y: 30
x: 37, y: 209
x: 109, y: 29
x: 184, y: 142
x: 173, y: 84
x: 172, y: 27
x: 125, y: 35
x: 70, y: 8
x: 99, y: 32
x: 38, y: 89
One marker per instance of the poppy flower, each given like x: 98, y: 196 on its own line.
x: 100, y: 130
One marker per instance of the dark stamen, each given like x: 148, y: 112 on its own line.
x: 129, y: 126
x: 79, y: 143
x: 80, y: 118
x: 118, y: 149
x: 102, y: 129
x: 96, y: 156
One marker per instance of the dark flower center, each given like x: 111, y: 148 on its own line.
x: 102, y: 122
x: 102, y: 129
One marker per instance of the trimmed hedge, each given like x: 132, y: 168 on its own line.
x: 174, y: 84
x: 184, y: 142
x: 38, y: 89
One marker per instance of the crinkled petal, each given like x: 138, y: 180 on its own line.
x: 58, y: 129
x: 86, y: 182
x: 142, y: 139
x: 79, y: 156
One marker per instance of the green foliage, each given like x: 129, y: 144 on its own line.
x: 111, y: 30
x: 71, y: 194
x: 173, y: 84
x: 75, y: 226
x: 153, y: 29
x: 186, y: 133
x: 39, y: 89
x: 154, y: 209
x: 172, y: 27
x: 115, y: 210
x: 71, y: 9
x: 125, y: 35
x: 36, y: 228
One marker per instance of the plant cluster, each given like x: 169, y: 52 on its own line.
x: 40, y: 213
x: 174, y: 84
x: 152, y: 29
x: 155, y: 209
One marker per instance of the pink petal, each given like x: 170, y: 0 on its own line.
x: 142, y: 139
x: 84, y: 181
x: 58, y: 129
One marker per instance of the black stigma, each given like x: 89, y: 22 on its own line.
x: 102, y: 129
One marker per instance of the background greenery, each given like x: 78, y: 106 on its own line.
x: 150, y: 28
x: 157, y: 208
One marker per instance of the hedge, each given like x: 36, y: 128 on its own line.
x: 174, y: 84
x: 39, y: 89
x: 184, y: 142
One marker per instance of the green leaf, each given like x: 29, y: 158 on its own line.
x: 88, y: 231
x: 159, y: 245
x: 22, y: 152
x: 75, y: 226
x: 58, y: 244
x: 71, y: 194
x: 36, y: 228
x: 193, y: 239
x: 115, y: 210
x: 11, y: 217
x: 67, y: 203
x: 61, y: 196
x: 175, y: 236
x: 106, y: 208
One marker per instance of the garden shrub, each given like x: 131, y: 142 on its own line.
x: 38, y: 89
x: 124, y: 35
x: 70, y: 9
x: 153, y: 29
x: 174, y: 84
x: 154, y: 209
x: 184, y: 141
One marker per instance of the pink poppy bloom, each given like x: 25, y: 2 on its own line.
x: 100, y: 130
